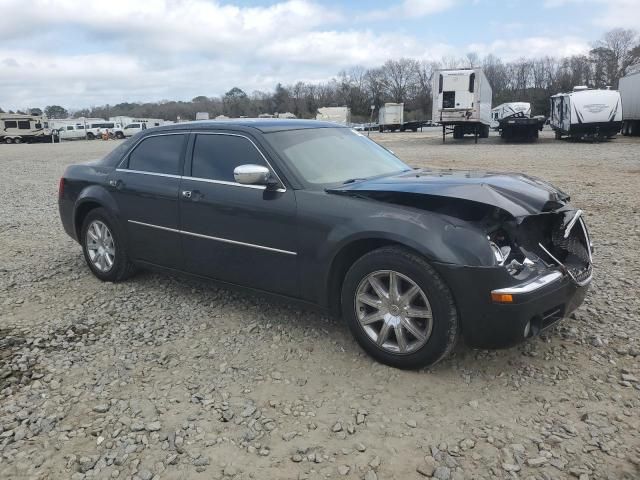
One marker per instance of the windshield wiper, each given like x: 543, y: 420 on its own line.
x: 352, y: 180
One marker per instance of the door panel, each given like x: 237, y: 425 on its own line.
x: 147, y: 196
x: 149, y: 203
x: 242, y: 234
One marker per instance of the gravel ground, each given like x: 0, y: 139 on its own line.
x: 168, y: 378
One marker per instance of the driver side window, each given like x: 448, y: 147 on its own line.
x: 216, y: 156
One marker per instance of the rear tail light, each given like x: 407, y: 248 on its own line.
x: 61, y: 187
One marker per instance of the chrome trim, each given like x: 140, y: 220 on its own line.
x: 142, y: 172
x: 588, y: 239
x: 217, y: 239
x: 224, y: 182
x: 532, y: 286
x: 159, y: 227
x: 571, y: 223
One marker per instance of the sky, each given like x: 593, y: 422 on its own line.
x: 79, y: 54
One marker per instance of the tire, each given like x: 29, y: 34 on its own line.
x: 17, y: 141
x: 90, y: 136
x: 121, y: 267
x: 457, y: 133
x: 439, y: 334
x: 119, y: 135
x: 558, y: 135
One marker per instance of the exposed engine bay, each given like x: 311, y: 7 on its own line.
x: 556, y: 237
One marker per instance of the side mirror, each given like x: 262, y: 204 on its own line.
x: 254, y: 175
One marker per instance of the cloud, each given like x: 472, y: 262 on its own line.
x: 620, y: 13
x: 532, y: 47
x: 410, y: 9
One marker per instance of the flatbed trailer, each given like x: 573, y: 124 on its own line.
x: 520, y: 127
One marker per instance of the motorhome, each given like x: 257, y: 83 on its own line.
x: 19, y: 128
x: 462, y: 102
x: 341, y: 115
x: 586, y: 113
x: 514, y: 121
x: 629, y: 88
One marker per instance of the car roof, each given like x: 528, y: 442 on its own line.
x: 264, y: 125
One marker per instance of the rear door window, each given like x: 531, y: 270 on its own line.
x: 216, y: 156
x: 449, y: 100
x: 159, y: 154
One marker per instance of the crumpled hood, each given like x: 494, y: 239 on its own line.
x: 517, y: 194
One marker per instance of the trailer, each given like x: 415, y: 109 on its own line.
x: 391, y: 119
x: 341, y: 115
x: 586, y: 113
x: 514, y: 121
x: 18, y: 128
x: 629, y: 88
x: 462, y: 102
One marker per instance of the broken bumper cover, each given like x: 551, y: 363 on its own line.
x: 536, y: 304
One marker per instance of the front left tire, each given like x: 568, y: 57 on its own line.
x: 399, y: 309
x: 103, y: 247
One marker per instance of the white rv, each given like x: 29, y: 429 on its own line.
x: 462, y: 102
x: 514, y: 121
x: 18, y: 128
x: 509, y: 109
x: 586, y: 113
x: 629, y: 88
x: 340, y: 115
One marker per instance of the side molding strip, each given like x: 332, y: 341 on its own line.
x: 217, y: 239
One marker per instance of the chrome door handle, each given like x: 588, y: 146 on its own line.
x: 116, y: 183
x: 186, y: 194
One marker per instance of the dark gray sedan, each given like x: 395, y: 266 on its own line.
x: 411, y: 259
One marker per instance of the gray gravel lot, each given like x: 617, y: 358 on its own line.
x: 168, y: 378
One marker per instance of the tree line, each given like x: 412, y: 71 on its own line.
x: 404, y: 80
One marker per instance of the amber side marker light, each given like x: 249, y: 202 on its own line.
x: 501, y: 297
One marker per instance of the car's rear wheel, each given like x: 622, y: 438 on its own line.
x: 119, y: 135
x: 103, y: 247
x: 399, y: 309
x: 90, y: 136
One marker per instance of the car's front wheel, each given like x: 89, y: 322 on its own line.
x: 103, y: 248
x: 399, y: 309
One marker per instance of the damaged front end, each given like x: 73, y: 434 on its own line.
x: 534, y: 244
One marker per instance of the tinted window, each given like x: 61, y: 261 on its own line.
x: 216, y: 156
x: 70, y: 127
x: 10, y: 124
x: 472, y: 82
x: 158, y: 154
x: 24, y: 124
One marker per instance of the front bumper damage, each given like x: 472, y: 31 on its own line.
x: 498, y: 309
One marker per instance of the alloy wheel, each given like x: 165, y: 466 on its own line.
x: 393, y: 311
x: 100, y: 246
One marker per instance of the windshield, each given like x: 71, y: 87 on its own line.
x: 326, y: 156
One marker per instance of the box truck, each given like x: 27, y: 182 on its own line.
x: 586, y: 113
x: 462, y: 102
x: 629, y: 88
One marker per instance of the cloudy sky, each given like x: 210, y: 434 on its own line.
x: 82, y: 53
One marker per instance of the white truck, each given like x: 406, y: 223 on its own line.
x: 72, y: 132
x: 586, y: 113
x: 341, y: 115
x: 96, y: 129
x: 514, y: 121
x: 133, y: 128
x: 462, y: 102
x: 629, y: 88
x: 19, y: 128
x: 202, y: 115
